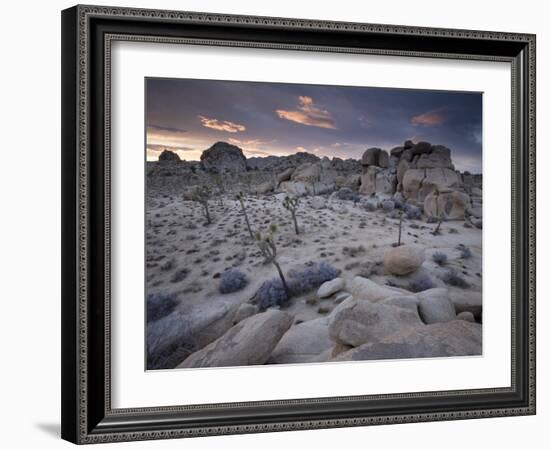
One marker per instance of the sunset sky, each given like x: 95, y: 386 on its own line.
x: 189, y: 116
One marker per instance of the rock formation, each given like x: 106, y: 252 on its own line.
x: 223, y: 157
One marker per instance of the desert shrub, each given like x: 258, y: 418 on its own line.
x: 465, y: 252
x: 421, y: 283
x: 370, y: 205
x: 311, y: 277
x: 272, y: 292
x: 397, y: 203
x: 160, y: 305
x: 168, y: 265
x: 232, y: 280
x: 347, y: 194
x: 388, y: 205
x: 453, y: 278
x: 179, y: 275
x: 352, y: 252
x: 412, y: 212
x: 440, y: 258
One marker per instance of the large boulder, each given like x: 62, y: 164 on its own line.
x: 456, y: 338
x: 466, y: 300
x: 397, y: 151
x: 169, y: 156
x: 435, y: 306
x: 224, y: 157
x: 174, y: 337
x: 330, y: 287
x: 402, y: 301
x: 365, y: 289
x: 302, y: 343
x: 352, y: 181
x: 402, y: 167
x: 370, y: 157
x: 307, y: 172
x: 377, y: 180
x: 403, y: 259
x: 386, y: 181
x: 285, y: 175
x: 368, y: 180
x: 361, y: 321
x: 449, y: 205
x: 383, y: 159
x: 296, y: 188
x: 421, y: 147
x: 439, y: 156
x: 265, y: 188
x: 249, y: 342
x: 418, y: 183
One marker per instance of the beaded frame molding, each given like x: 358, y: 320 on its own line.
x: 87, y: 35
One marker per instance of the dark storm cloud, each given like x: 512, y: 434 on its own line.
x: 273, y: 118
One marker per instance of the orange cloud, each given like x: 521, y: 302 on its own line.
x: 221, y: 125
x: 249, y: 142
x: 430, y: 118
x: 308, y: 114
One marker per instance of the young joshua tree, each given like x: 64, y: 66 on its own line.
x: 291, y: 204
x: 201, y: 194
x: 313, y: 180
x: 266, y: 243
x: 240, y: 198
x: 400, y: 227
x: 220, y: 185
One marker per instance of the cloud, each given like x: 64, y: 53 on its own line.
x: 249, y: 142
x: 154, y: 127
x: 160, y: 147
x: 308, y: 114
x: 430, y: 118
x: 221, y: 125
x: 258, y: 153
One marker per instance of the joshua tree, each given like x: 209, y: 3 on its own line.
x: 201, y: 194
x: 435, y: 232
x: 266, y: 243
x: 291, y: 203
x: 219, y: 182
x: 400, y: 228
x: 312, y: 179
x: 240, y: 198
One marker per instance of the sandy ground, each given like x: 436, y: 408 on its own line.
x: 186, y: 256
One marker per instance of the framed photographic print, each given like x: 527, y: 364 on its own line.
x: 284, y: 224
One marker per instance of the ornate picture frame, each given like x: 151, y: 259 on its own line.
x: 87, y: 35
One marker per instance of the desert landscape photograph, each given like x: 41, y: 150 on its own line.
x: 296, y: 223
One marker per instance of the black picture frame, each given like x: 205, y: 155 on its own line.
x: 87, y: 32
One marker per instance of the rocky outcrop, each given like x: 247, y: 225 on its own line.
x: 456, y: 338
x: 169, y: 156
x: 223, y: 157
x: 435, y: 306
x: 415, y: 170
x: 249, y: 342
x: 364, y: 289
x: 303, y: 343
x: 419, y: 183
x: 360, y: 321
x: 451, y: 205
x: 174, y: 337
